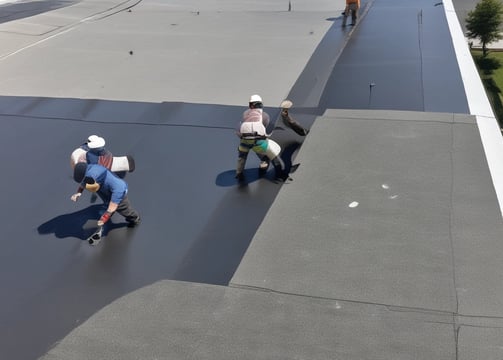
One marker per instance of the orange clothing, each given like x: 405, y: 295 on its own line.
x: 353, y: 2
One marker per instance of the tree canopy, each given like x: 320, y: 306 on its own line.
x: 484, y: 22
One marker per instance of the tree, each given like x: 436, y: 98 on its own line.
x: 484, y: 22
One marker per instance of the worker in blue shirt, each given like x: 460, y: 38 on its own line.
x: 110, y: 188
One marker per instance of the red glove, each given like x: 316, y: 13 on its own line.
x: 104, y: 218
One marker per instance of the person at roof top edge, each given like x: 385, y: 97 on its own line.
x: 352, y: 7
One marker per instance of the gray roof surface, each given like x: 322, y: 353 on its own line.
x: 386, y: 244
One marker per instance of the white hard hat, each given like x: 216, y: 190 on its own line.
x: 95, y: 141
x: 255, y: 98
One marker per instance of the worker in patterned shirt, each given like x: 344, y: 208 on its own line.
x: 93, y: 151
x: 253, y: 136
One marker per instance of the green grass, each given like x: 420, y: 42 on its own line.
x: 491, y: 72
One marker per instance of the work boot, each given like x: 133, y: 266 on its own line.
x: 134, y: 222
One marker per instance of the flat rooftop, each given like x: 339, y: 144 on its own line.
x: 386, y: 243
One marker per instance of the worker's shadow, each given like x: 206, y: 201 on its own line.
x: 228, y: 178
x: 80, y: 224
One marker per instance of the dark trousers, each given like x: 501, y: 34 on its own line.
x: 353, y: 10
x: 125, y: 209
x: 291, y: 123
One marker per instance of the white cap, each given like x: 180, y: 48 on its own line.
x: 95, y: 141
x: 255, y: 98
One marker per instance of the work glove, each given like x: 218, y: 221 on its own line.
x: 76, y: 196
x: 104, y: 218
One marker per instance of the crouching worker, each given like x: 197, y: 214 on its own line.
x: 93, y: 151
x: 289, y: 121
x: 253, y: 136
x: 110, y: 188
